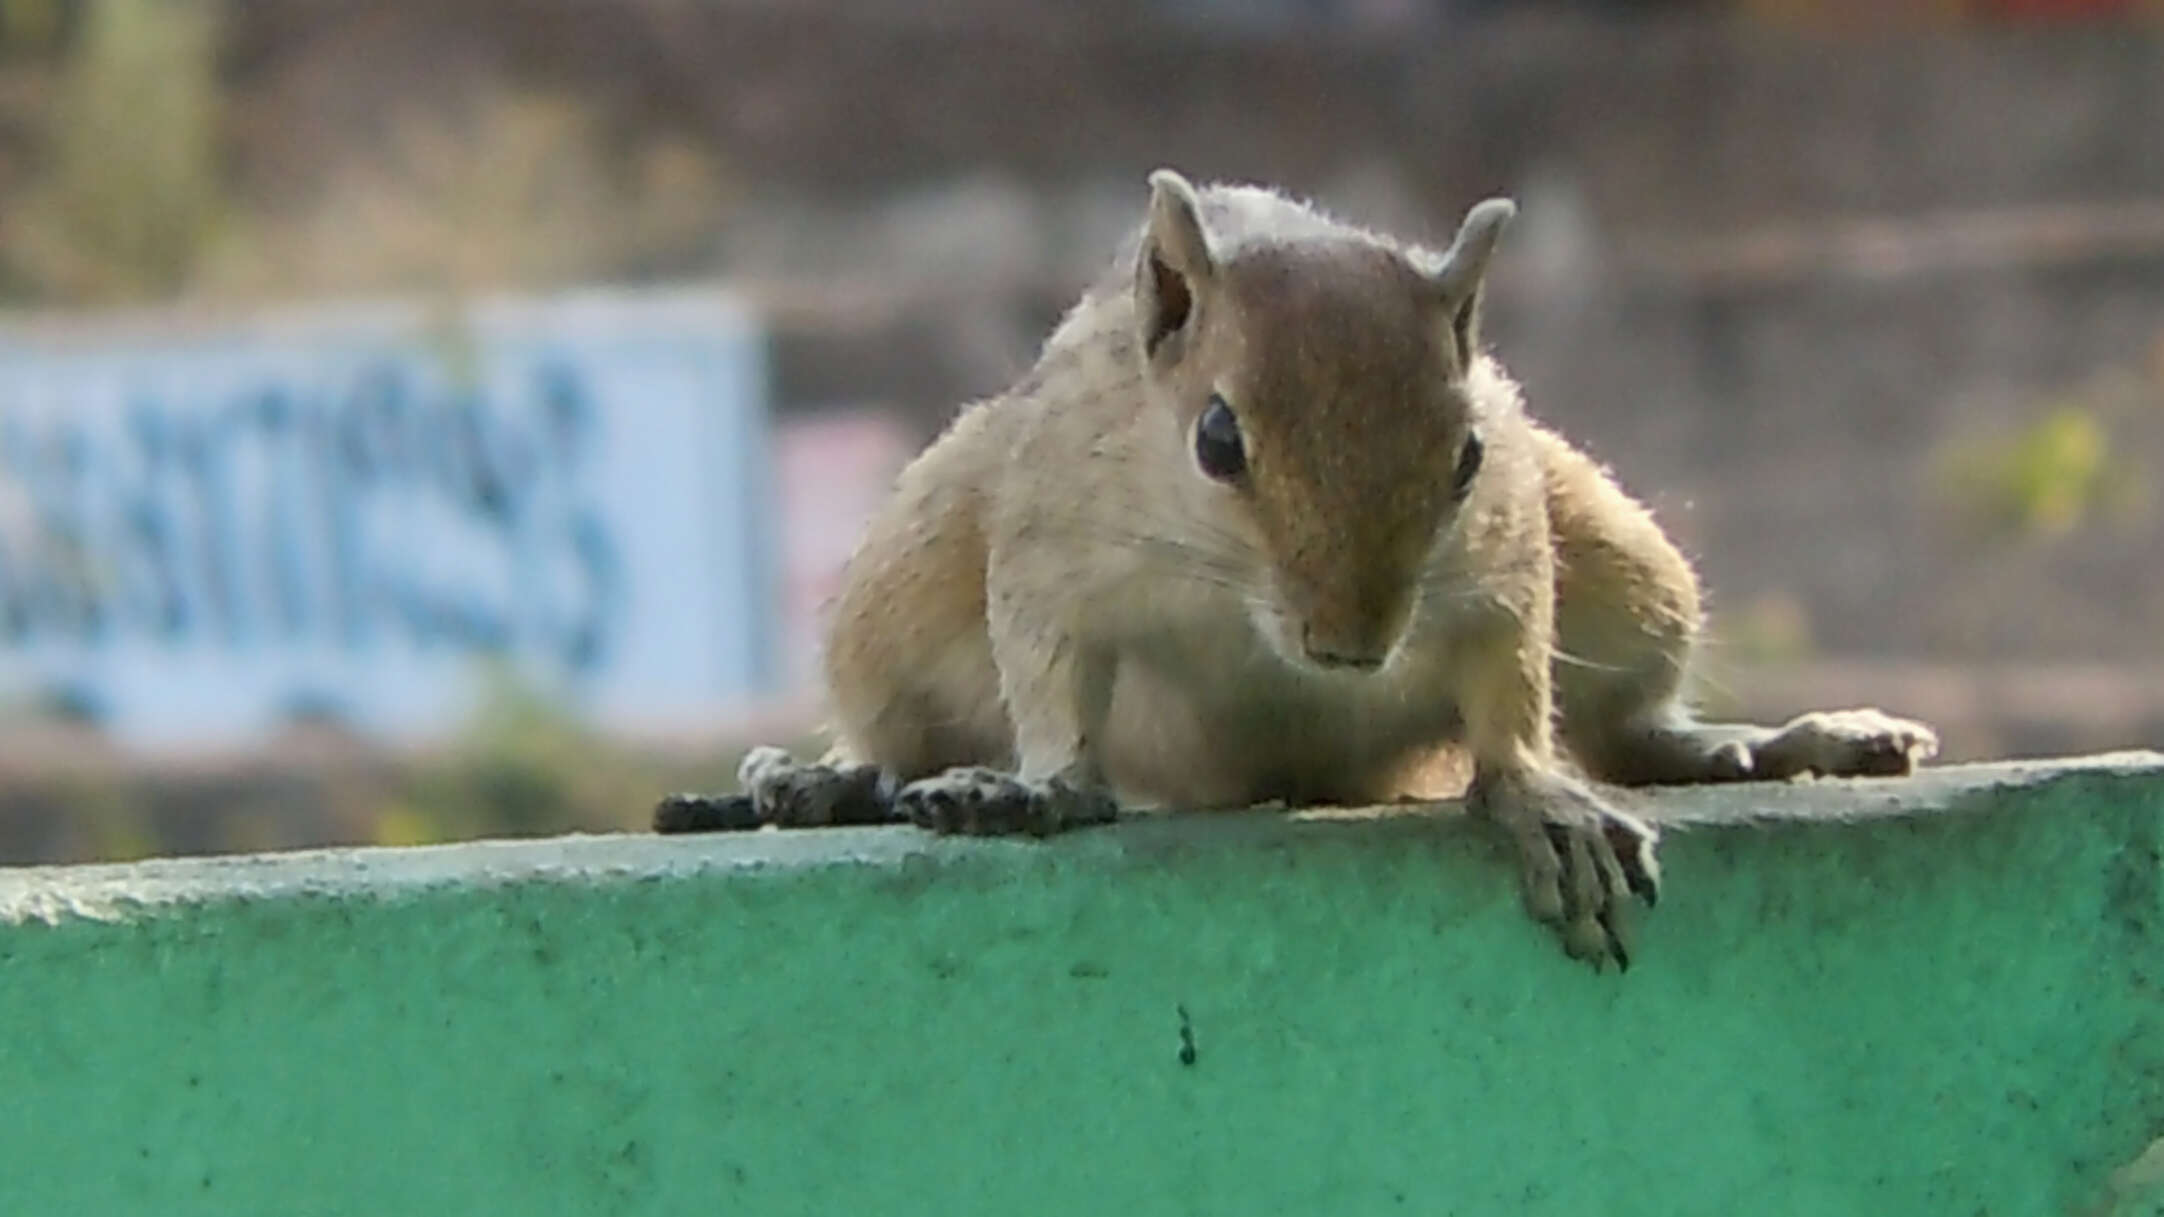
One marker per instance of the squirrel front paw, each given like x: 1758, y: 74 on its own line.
x: 789, y: 794
x: 1844, y: 743
x: 979, y: 802
x: 780, y: 791
x: 1580, y: 860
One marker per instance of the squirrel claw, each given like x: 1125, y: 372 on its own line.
x: 1844, y: 743
x: 1580, y: 863
x: 787, y: 794
x: 1614, y: 935
x: 1632, y: 844
x: 980, y: 802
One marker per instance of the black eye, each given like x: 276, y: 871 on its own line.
x: 1468, y: 465
x: 1217, y: 442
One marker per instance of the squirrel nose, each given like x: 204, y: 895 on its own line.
x: 1328, y: 654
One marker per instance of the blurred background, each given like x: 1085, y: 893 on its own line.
x: 425, y: 419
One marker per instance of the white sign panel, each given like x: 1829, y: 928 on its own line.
x: 206, y: 528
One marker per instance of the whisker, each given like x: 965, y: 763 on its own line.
x: 1562, y: 656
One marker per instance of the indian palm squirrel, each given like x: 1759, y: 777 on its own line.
x: 1266, y: 522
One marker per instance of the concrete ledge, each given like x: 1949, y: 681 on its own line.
x: 1933, y: 996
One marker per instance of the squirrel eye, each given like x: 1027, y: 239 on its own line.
x: 1218, y: 448
x: 1468, y: 465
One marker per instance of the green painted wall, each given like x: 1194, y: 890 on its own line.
x: 1933, y: 997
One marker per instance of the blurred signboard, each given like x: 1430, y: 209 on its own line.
x: 208, y: 526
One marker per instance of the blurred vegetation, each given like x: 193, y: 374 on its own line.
x: 31, y: 26
x: 128, y: 192
x: 523, y: 765
x: 523, y: 189
x: 132, y: 194
x: 2065, y: 467
x: 1773, y: 628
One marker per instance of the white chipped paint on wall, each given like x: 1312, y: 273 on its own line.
x: 207, y: 525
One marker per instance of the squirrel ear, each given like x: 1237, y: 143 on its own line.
x: 1175, y: 262
x: 1465, y: 269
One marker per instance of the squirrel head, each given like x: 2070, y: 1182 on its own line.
x: 1319, y: 380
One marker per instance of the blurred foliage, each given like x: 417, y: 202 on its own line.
x: 2064, y: 469
x: 31, y: 26
x: 132, y: 195
x: 128, y: 193
x: 523, y: 765
x: 521, y: 190
x: 1773, y: 628
x: 114, y: 825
